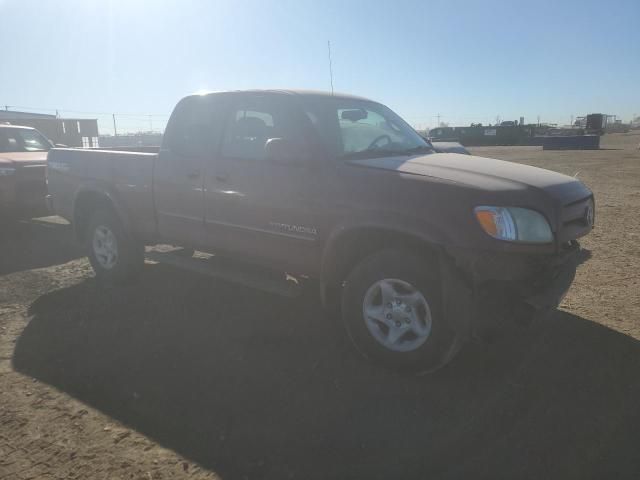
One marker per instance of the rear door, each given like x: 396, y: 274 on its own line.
x: 264, y: 208
x: 191, y: 138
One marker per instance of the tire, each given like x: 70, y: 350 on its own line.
x: 115, y: 256
x: 406, y: 330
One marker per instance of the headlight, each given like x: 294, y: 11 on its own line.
x: 514, y: 224
x: 6, y: 171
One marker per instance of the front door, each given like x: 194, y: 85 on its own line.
x: 259, y: 206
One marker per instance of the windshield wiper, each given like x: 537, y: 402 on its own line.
x: 418, y: 149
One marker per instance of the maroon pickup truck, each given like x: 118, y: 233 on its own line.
x: 406, y: 242
x: 23, y: 164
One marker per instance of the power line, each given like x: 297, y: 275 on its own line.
x: 128, y: 114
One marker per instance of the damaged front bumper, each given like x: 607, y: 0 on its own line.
x: 493, y: 290
x: 547, y: 288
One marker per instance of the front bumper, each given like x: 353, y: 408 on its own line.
x: 495, y: 291
x: 541, y: 280
x: 547, y: 288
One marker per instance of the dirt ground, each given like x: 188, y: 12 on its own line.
x: 180, y: 376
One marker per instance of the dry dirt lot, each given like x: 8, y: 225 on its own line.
x: 181, y: 376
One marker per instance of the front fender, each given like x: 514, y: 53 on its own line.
x: 389, y: 224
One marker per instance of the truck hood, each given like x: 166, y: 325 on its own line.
x: 20, y: 159
x: 483, y: 173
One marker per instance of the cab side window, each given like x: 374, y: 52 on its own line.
x: 34, y: 142
x: 253, y: 121
x: 247, y: 131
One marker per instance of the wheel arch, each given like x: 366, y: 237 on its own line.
x: 89, y: 199
x: 349, y: 245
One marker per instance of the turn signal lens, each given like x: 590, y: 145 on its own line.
x: 497, y: 222
x: 487, y: 221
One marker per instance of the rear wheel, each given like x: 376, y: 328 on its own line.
x: 392, y: 310
x: 114, y: 255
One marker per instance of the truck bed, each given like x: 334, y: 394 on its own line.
x: 126, y: 176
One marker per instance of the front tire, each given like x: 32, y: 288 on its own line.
x: 392, y: 310
x: 115, y: 256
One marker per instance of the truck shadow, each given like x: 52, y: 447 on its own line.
x: 35, y: 243
x: 253, y: 386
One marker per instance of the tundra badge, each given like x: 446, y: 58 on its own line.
x: 285, y: 227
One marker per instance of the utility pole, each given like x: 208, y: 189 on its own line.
x: 115, y: 130
x: 150, y: 124
x: 438, y: 117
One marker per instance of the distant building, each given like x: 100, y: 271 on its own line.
x: 5, y: 115
x: 73, y: 132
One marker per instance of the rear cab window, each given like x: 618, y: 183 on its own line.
x: 194, y: 127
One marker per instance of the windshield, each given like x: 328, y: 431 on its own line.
x: 22, y: 140
x: 364, y: 129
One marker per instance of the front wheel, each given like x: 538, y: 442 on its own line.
x: 392, y: 311
x: 114, y: 255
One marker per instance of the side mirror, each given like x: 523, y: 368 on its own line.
x: 282, y: 151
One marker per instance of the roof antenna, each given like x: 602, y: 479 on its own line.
x: 330, y: 66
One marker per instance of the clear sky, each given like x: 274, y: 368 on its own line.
x: 465, y: 60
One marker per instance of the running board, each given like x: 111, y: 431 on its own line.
x: 230, y: 271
